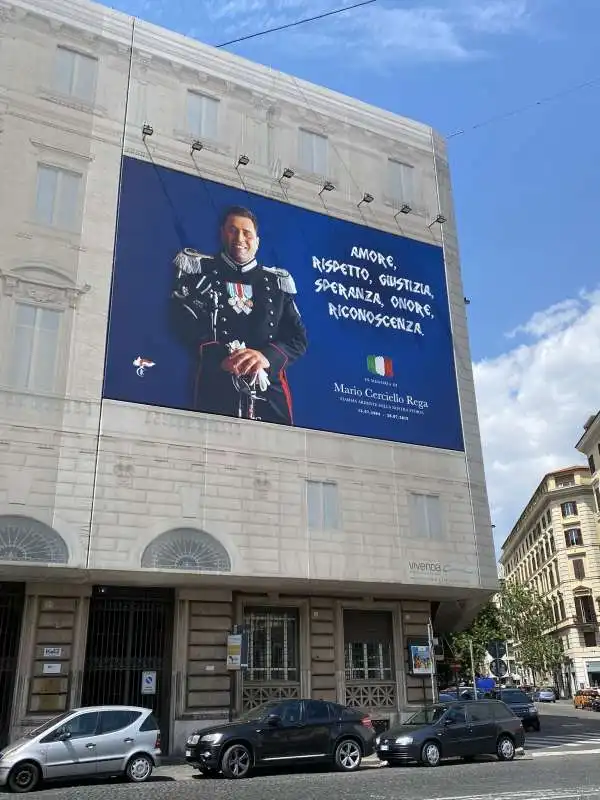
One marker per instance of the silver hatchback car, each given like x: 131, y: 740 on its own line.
x: 84, y: 743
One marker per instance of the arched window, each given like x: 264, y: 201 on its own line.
x: 26, y: 539
x: 186, y: 549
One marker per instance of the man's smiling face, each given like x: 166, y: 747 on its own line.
x: 240, y: 239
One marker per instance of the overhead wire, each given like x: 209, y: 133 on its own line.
x: 296, y: 23
x: 527, y: 107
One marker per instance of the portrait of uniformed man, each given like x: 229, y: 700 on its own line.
x: 241, y: 320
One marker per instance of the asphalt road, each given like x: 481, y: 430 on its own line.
x: 566, y: 769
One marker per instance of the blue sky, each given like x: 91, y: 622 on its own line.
x: 526, y: 188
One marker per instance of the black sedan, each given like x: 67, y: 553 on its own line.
x: 453, y: 730
x: 284, y: 732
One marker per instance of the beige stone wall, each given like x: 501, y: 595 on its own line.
x: 152, y: 470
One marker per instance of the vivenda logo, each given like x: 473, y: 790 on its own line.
x: 427, y: 566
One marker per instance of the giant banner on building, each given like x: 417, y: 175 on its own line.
x: 232, y: 303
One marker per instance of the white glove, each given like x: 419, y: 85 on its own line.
x: 261, y: 375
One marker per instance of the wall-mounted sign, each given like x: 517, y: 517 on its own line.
x: 149, y: 682
x: 52, y: 652
x: 51, y: 669
x: 420, y: 661
x: 234, y: 651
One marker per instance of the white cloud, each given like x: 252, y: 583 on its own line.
x: 387, y: 31
x: 534, y: 400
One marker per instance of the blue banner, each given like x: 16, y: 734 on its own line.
x: 229, y: 302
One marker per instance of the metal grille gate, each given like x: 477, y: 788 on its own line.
x: 130, y: 631
x: 12, y: 600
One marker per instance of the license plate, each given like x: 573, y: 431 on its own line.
x: 384, y: 747
x: 188, y: 753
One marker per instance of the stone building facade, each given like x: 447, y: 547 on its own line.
x: 161, y: 530
x: 555, y: 548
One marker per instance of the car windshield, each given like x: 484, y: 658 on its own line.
x: 426, y: 716
x: 48, y: 725
x: 258, y: 713
x: 512, y: 696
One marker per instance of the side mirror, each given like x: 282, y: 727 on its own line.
x: 449, y: 721
x: 273, y: 720
x: 63, y: 736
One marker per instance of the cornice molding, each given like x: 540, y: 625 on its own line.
x: 182, y: 56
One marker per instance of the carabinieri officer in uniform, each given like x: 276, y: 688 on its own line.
x: 241, y: 319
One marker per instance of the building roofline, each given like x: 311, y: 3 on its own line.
x: 587, y: 429
x: 535, y: 497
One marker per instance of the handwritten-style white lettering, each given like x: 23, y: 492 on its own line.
x: 348, y: 292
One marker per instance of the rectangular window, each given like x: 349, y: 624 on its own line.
x: 368, y: 661
x: 573, y: 537
x: 138, y: 103
x: 569, y: 509
x: 584, y: 609
x: 57, y: 202
x: 426, y: 516
x: 578, y: 569
x: 323, y: 505
x: 597, y: 496
x: 273, y: 644
x: 34, y: 348
x: 401, y: 182
x: 202, y: 116
x: 592, y: 464
x: 563, y: 481
x: 589, y: 639
x: 313, y: 152
x: 75, y: 74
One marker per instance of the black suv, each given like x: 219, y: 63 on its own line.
x: 283, y: 732
x: 521, y: 705
x: 453, y: 730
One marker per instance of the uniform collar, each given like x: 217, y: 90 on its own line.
x: 238, y: 267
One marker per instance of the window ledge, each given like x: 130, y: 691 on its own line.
x: 212, y: 145
x: 396, y: 205
x: 312, y: 177
x: 49, y: 231
x: 69, y: 101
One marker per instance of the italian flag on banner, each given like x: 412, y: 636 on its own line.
x: 380, y: 365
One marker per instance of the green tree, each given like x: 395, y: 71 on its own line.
x: 487, y: 626
x: 528, y: 618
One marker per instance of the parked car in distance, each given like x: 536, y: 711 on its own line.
x: 283, y: 732
x: 85, y: 742
x: 461, y: 729
x: 584, y: 698
x: 521, y: 705
x: 547, y: 695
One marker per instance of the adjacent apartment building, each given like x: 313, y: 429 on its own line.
x: 153, y: 500
x: 555, y: 548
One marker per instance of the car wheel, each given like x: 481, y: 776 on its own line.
x: 348, y: 755
x: 505, y: 748
x: 24, y: 777
x: 431, y: 754
x: 139, y: 768
x: 236, y: 761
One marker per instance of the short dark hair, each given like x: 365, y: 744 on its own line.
x: 240, y: 211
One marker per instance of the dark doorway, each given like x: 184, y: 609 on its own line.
x: 130, y: 636
x: 12, y: 601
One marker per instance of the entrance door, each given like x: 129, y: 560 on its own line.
x: 129, y: 643
x: 12, y: 599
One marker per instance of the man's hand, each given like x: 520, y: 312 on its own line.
x: 245, y: 362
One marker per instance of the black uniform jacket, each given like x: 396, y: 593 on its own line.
x: 216, y: 302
